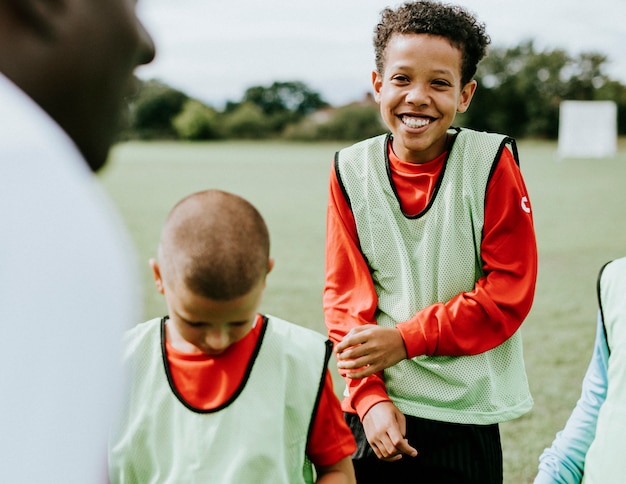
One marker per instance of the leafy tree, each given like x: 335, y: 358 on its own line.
x: 280, y: 97
x: 586, y: 76
x: 520, y: 89
x: 247, y: 120
x: 196, y: 121
x: 614, y: 91
x: 350, y: 123
x: 519, y: 93
x: 354, y: 122
x: 153, y: 109
x: 283, y: 103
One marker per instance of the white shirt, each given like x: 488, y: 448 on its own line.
x: 68, y: 290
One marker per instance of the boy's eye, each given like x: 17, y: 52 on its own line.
x: 193, y: 324
x: 400, y: 78
x: 441, y: 82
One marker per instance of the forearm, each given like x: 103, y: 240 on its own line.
x: 489, y: 313
x: 350, y: 299
x: 472, y: 322
x: 340, y: 473
x: 364, y: 394
x: 330, y: 438
x: 564, y: 461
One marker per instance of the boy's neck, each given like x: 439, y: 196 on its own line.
x: 449, y: 140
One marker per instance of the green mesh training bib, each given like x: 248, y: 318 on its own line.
x: 418, y: 261
x: 259, y: 436
x: 604, y: 462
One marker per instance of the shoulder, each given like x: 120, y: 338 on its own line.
x: 290, y: 330
x: 612, y: 277
x: 301, y: 343
x: 354, y: 162
x: 472, y: 133
x: 611, y: 287
x: 141, y: 334
x: 615, y: 267
x: 483, y: 140
x: 499, y: 152
x: 612, y: 273
x: 363, y: 145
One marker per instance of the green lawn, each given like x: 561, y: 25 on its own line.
x: 579, y: 209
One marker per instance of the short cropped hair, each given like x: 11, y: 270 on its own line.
x: 452, y: 22
x: 216, y: 243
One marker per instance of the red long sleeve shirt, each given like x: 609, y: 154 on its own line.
x: 207, y: 382
x: 471, y: 322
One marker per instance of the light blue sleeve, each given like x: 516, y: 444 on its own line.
x: 564, y: 462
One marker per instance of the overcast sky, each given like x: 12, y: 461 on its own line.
x: 214, y: 50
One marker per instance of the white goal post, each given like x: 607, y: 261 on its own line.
x: 587, y: 129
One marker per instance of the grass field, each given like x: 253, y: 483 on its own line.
x: 579, y: 211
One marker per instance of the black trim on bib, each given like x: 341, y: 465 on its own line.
x: 320, y: 388
x: 338, y: 175
x: 438, y: 183
x: 239, y: 389
x: 599, y: 292
x: 506, y: 141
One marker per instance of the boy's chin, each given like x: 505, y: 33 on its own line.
x: 213, y: 352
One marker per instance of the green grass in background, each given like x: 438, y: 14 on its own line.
x: 579, y: 210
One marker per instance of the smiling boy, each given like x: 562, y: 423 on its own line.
x: 431, y: 263
x: 219, y: 392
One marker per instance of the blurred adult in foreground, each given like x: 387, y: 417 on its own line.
x: 67, y: 273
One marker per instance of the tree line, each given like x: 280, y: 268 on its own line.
x: 520, y: 91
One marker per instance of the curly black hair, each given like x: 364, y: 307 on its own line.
x: 453, y: 22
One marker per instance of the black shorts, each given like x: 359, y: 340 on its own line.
x: 448, y: 453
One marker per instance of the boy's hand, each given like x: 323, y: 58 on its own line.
x: 385, y: 429
x: 369, y: 349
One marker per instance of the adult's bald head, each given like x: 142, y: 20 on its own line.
x: 216, y: 244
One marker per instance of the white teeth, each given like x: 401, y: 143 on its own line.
x: 412, y: 122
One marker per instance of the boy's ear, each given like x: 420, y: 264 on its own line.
x: 270, y: 266
x: 377, y: 82
x: 156, y: 273
x: 467, y: 93
x: 37, y: 15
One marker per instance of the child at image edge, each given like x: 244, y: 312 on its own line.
x: 591, y: 447
x: 220, y: 393
x: 431, y: 263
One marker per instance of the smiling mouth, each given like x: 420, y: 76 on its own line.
x: 414, y: 122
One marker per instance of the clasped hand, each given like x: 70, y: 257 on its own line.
x: 369, y: 349
x: 385, y: 429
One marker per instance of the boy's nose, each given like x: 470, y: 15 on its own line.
x: 416, y: 95
x: 217, y: 340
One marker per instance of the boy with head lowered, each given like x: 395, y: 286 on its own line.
x: 219, y: 392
